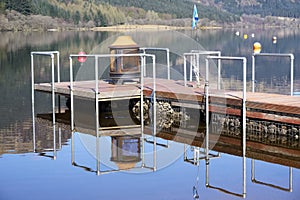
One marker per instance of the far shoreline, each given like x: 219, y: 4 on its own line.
x: 150, y: 27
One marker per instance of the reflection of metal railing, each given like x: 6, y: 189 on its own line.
x: 198, y: 154
x: 244, y: 60
x: 254, y: 180
x: 52, y: 55
x: 144, y: 49
x: 274, y: 55
x: 100, y: 171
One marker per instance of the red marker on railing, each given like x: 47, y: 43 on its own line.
x: 81, y: 59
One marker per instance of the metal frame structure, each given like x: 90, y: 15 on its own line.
x: 96, y: 91
x: 254, y: 180
x: 274, y: 55
x: 99, y: 172
x: 194, y: 61
x: 52, y: 56
x: 198, y: 154
x: 144, y: 49
x: 244, y: 60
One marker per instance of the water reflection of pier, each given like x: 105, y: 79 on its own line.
x: 122, y: 157
x: 195, y: 152
x: 115, y: 151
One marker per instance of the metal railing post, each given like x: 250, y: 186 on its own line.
x: 168, y: 63
x: 184, y: 69
x: 192, y: 63
x: 32, y: 103
x: 144, y: 49
x: 97, y: 115
x: 244, y: 124
x: 154, y: 112
x: 243, y: 110
x: 194, y: 60
x: 253, y: 73
x: 275, y: 55
x: 207, y: 108
x: 71, y: 93
x: 96, y: 90
x: 292, y: 74
x: 219, y: 71
x: 142, y: 108
x: 52, y: 56
x: 53, y: 106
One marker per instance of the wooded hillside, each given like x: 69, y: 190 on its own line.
x: 91, y: 13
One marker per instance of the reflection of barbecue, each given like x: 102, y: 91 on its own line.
x: 125, y: 151
x: 166, y: 114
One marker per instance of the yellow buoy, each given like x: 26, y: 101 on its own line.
x: 274, y: 39
x: 256, y: 47
x: 245, y: 36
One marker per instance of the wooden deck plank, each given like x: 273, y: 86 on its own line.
x: 259, y: 105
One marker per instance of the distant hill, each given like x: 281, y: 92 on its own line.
x: 216, y: 9
x: 177, y: 8
x: 45, y: 14
x: 282, y: 8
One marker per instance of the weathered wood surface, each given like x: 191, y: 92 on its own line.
x: 274, y: 107
x: 86, y: 89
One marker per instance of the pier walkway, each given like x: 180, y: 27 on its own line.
x: 262, y: 106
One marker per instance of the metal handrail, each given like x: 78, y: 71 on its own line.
x: 274, y: 55
x: 197, y: 53
x: 243, y: 113
x: 52, y: 55
x: 97, y: 56
x: 144, y: 49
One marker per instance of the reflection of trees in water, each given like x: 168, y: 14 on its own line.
x: 15, y: 48
x: 13, y: 41
x: 18, y: 137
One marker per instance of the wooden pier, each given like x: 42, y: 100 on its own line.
x: 261, y: 106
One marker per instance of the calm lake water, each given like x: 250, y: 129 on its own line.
x: 28, y: 175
